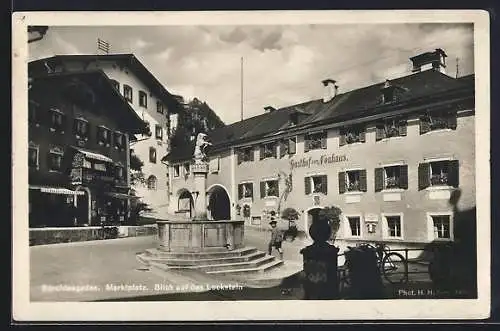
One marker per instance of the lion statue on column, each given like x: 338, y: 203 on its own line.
x: 202, y: 143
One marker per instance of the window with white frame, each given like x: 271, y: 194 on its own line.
x: 245, y: 190
x: 152, y: 154
x: 103, y: 136
x: 127, y: 93
x: 393, y: 226
x: 438, y: 173
x: 159, y: 107
x: 33, y: 156
x: 158, y: 131
x: 268, y: 150
x: 352, y: 181
x: 316, y: 184
x: 55, y: 159
x: 57, y: 120
x: 352, y: 134
x: 177, y: 170
x: 81, y: 128
x: 438, y: 120
x: 354, y: 225
x: 441, y: 225
x: 143, y: 99
x: 391, y: 177
x: 245, y: 154
x: 151, y: 182
x: 315, y: 140
x: 391, y: 127
x: 269, y: 188
x: 119, y: 140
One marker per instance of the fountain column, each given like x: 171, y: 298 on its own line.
x: 200, y: 171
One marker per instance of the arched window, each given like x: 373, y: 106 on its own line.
x: 151, y: 182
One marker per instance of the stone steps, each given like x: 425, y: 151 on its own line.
x: 247, y: 260
x: 273, y: 263
x: 216, y: 253
x: 206, y: 261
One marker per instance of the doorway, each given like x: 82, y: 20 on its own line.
x: 219, y: 204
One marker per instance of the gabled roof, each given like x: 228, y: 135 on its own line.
x: 100, y: 83
x: 128, y: 60
x: 356, y: 104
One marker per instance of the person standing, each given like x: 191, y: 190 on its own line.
x: 276, y: 239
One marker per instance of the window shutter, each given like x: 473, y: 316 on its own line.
x: 75, y: 126
x: 379, y: 132
x: 324, y: 184
x: 362, y: 136
x: 362, y: 180
x: 261, y: 152
x: 262, y: 189
x: 292, y: 146
x: 240, y: 191
x: 452, y: 120
x: 306, y: 143
x: 342, y: 141
x: 379, y: 179
x: 275, y: 150
x: 323, y: 141
x: 453, y: 169
x: 402, y: 128
x: 251, y: 189
x: 307, y: 185
x: 252, y: 153
x: 239, y: 156
x: 425, y: 125
x: 403, y: 179
x: 423, y: 176
x: 277, y: 188
x: 342, y: 183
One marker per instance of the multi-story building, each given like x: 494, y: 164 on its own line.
x: 389, y: 155
x: 79, y: 135
x: 151, y: 102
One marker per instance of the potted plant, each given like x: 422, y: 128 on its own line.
x: 332, y: 216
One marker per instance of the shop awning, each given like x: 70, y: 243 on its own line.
x: 121, y: 195
x: 56, y: 190
x: 94, y: 156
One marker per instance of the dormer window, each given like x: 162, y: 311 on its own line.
x: 388, y: 94
x: 294, y: 118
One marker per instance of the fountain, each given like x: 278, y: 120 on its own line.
x: 210, y: 246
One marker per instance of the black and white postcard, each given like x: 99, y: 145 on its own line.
x: 208, y: 166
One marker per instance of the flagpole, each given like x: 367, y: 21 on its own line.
x: 241, y: 92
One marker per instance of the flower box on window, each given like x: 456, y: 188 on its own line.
x: 441, y: 179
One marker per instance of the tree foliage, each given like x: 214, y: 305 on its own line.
x: 290, y: 214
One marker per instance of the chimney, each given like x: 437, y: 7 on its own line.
x: 269, y: 109
x: 330, y: 89
x: 430, y: 60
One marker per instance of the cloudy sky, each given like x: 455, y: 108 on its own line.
x: 283, y: 65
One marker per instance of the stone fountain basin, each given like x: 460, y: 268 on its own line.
x: 200, y: 235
